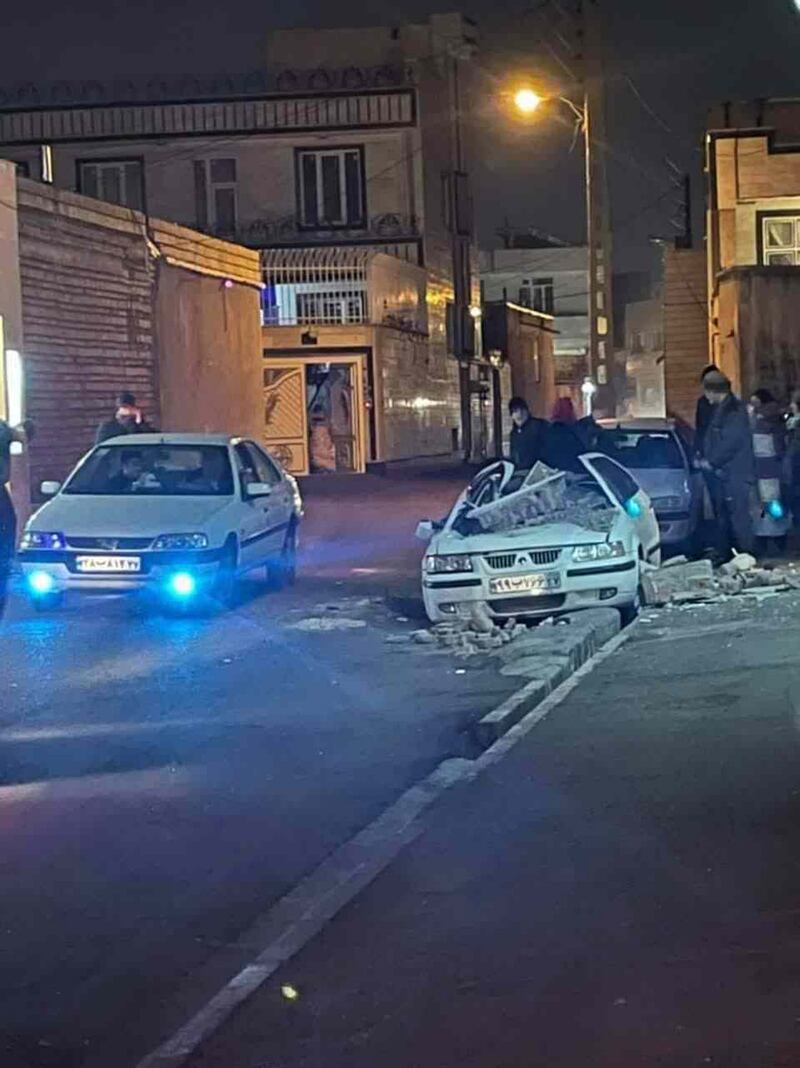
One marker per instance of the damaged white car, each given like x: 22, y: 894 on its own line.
x: 533, y: 544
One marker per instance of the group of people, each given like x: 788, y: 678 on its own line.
x: 750, y: 458
x: 557, y: 442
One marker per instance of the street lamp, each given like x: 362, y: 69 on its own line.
x: 527, y: 100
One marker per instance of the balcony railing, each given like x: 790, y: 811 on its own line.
x: 286, y: 231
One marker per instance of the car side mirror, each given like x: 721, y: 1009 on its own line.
x: 426, y: 528
x: 50, y: 488
x: 257, y: 489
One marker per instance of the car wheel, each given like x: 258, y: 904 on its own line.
x: 283, y: 571
x: 226, y: 584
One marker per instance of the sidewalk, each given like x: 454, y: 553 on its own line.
x: 620, y: 890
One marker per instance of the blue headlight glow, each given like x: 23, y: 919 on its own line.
x: 40, y: 583
x: 775, y: 509
x: 182, y: 585
x: 633, y: 508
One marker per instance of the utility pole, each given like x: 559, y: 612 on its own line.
x: 602, y: 367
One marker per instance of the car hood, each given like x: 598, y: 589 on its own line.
x: 547, y: 535
x: 662, y: 481
x: 87, y: 516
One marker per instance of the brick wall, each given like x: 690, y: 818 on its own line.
x: 685, y: 329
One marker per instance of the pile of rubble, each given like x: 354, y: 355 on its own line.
x: 477, y: 633
x: 681, y: 582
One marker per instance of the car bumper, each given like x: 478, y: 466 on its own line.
x: 582, y: 586
x: 157, y: 569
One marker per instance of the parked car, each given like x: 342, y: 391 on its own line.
x: 658, y: 454
x: 589, y: 551
x: 178, y: 514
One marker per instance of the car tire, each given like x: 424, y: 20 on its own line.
x: 226, y: 586
x: 283, y: 571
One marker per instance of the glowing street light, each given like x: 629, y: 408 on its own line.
x: 527, y: 101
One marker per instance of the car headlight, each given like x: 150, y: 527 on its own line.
x: 447, y: 564
x: 604, y: 550
x: 668, y: 504
x: 38, y: 539
x: 181, y: 541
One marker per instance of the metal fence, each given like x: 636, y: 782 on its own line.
x: 314, y: 286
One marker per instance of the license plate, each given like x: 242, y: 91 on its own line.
x: 109, y: 564
x: 539, y: 583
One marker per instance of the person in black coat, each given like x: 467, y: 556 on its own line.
x: 728, y: 457
x: 703, y: 411
x: 527, y: 440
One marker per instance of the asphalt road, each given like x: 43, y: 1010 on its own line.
x: 620, y: 890
x: 163, y: 779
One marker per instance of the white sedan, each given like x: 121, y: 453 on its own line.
x: 178, y: 514
x: 589, y: 551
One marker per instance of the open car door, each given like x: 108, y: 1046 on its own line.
x: 623, y: 488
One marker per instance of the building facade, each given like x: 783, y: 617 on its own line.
x: 353, y: 141
x: 643, y: 353
x: 753, y: 267
x: 552, y: 279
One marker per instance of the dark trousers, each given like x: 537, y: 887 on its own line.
x: 8, y: 542
x: 734, y: 511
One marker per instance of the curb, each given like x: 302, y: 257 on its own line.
x: 553, y: 658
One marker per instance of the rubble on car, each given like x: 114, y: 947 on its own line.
x: 544, y: 496
x: 683, y: 583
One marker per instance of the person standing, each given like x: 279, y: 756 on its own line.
x: 792, y: 461
x: 703, y: 411
x: 127, y: 419
x: 527, y: 440
x: 8, y: 518
x: 773, y: 521
x: 728, y: 456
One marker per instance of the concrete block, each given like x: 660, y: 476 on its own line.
x: 661, y: 586
x: 502, y: 719
x: 550, y: 669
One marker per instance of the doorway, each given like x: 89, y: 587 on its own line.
x: 314, y: 412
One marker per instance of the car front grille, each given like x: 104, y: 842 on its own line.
x: 511, y: 606
x: 522, y: 558
x: 110, y: 545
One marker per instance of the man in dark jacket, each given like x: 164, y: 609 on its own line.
x: 703, y: 411
x: 728, y: 456
x: 127, y: 419
x: 527, y: 439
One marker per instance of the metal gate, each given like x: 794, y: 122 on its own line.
x: 287, y: 396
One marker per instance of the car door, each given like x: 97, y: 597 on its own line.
x: 624, y: 488
x: 275, y: 509
x: 254, y: 511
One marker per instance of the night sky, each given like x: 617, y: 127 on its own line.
x: 682, y: 56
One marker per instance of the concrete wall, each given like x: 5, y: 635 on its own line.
x: 11, y: 335
x: 110, y: 301
x: 758, y: 314
x: 209, y: 344
x: 686, y: 343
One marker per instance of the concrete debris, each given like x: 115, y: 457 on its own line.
x: 675, y: 561
x: 323, y: 623
x: 546, y: 496
x: 687, y: 584
x: 693, y: 581
x: 467, y: 637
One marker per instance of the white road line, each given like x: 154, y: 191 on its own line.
x: 299, y: 916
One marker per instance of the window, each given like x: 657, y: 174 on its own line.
x: 331, y: 188
x: 120, y: 181
x: 537, y: 294
x: 621, y: 484
x: 333, y: 307
x: 23, y: 169
x: 644, y: 450
x: 781, y: 240
x: 154, y: 471
x: 215, y: 195
x: 264, y: 468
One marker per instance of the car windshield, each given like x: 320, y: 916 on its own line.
x: 643, y: 450
x: 154, y: 471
